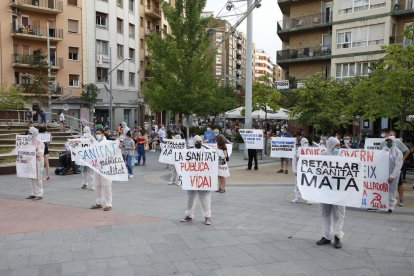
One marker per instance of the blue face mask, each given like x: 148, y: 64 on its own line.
x: 98, y: 137
x: 335, y: 151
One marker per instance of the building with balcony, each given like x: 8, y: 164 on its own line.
x: 26, y: 26
x: 263, y: 65
x: 111, y: 58
x: 339, y: 38
x: 151, y: 20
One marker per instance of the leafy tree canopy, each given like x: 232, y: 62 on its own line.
x: 11, y: 97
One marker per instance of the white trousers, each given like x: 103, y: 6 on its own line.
x: 174, y: 174
x: 103, y: 188
x: 87, y: 177
x: 297, y: 192
x: 205, y: 200
x: 37, y: 184
x: 333, y: 217
x: 393, y: 193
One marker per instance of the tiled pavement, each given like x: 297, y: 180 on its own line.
x: 255, y: 231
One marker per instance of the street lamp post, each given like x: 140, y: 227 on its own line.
x: 110, y: 85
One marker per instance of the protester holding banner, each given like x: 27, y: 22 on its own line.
x: 333, y: 216
x: 396, y: 161
x: 46, y: 155
x: 204, y: 195
x: 37, y: 184
x: 171, y: 167
x: 405, y: 151
x: 86, y: 172
x: 304, y: 143
x: 103, y: 185
x: 223, y: 170
x: 283, y: 160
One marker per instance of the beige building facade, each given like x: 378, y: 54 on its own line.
x: 25, y: 26
x: 338, y: 38
x: 263, y: 65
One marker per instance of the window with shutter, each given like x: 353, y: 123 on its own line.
x: 73, y: 26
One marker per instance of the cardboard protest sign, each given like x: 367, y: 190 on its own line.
x: 373, y: 143
x: 376, y: 172
x: 78, y: 144
x: 331, y: 179
x: 23, y: 140
x: 104, y: 158
x: 283, y: 147
x: 168, y: 146
x: 197, y: 169
x: 253, y: 138
x: 214, y: 147
x: 26, y: 162
x: 45, y: 137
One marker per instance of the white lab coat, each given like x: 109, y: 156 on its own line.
x: 396, y: 162
x: 37, y: 184
x: 103, y: 188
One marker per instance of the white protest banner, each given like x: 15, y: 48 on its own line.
x: 253, y: 138
x: 376, y: 172
x: 78, y: 144
x: 26, y: 162
x: 331, y: 179
x: 214, y: 147
x: 23, y: 140
x: 373, y: 143
x: 45, y: 137
x: 168, y: 146
x: 283, y: 147
x: 197, y: 169
x: 104, y: 158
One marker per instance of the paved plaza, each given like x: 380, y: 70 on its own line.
x: 255, y: 230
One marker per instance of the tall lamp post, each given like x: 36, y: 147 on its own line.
x: 110, y: 85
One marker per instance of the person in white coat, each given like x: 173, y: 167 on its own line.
x: 125, y: 130
x: 333, y: 216
x: 396, y: 162
x: 304, y: 143
x: 204, y: 196
x: 86, y: 172
x: 103, y: 185
x: 37, y: 184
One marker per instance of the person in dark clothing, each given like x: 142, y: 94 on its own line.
x: 252, y: 156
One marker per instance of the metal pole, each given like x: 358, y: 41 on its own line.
x: 249, y: 69
x: 110, y: 90
x: 49, y: 92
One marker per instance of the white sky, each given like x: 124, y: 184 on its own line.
x: 264, y: 23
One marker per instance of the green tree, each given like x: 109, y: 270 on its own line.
x: 38, y: 76
x: 264, y: 95
x: 388, y: 91
x: 224, y: 98
x: 11, y: 97
x: 181, y: 62
x: 321, y: 103
x: 89, y: 95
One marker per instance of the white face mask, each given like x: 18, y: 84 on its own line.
x: 382, y: 135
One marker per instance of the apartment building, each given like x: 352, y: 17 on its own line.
x: 111, y: 58
x: 263, y: 65
x: 339, y: 38
x: 25, y: 27
x: 277, y: 73
x: 151, y: 20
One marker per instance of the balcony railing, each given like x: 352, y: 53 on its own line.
x: 32, y: 60
x: 312, y: 20
x: 403, y: 7
x: 153, y: 11
x: 36, y: 32
x: 150, y: 31
x: 304, y: 53
x: 45, y: 6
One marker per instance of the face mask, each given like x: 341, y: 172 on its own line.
x: 389, y: 146
x: 335, y: 151
x: 198, y: 146
x: 346, y: 141
x: 306, y: 144
x: 98, y: 137
x: 382, y: 135
x: 321, y: 142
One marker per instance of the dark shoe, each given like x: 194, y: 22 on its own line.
x: 280, y: 171
x: 337, y: 243
x: 323, y: 241
x: 222, y: 191
x: 38, y: 198
x: 107, y: 208
x: 30, y: 197
x: 96, y: 206
x: 256, y: 168
x: 286, y: 171
x: 389, y: 211
x: 208, y: 221
x: 187, y: 219
x: 143, y: 164
x: 218, y: 191
x: 248, y: 169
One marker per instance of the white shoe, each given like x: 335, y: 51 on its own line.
x: 92, y: 189
x: 178, y: 183
x: 130, y: 176
x: 296, y: 200
x: 171, y: 183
